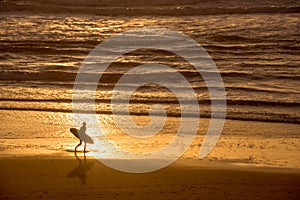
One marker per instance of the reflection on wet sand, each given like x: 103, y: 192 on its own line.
x: 82, y: 168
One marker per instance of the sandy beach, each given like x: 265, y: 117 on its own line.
x: 52, y: 178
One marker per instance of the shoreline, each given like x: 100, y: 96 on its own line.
x: 241, y: 142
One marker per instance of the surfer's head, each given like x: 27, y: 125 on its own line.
x: 84, y: 123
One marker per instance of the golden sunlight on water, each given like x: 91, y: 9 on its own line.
x: 108, y: 131
x: 45, y: 46
x: 48, y: 133
x: 259, y: 74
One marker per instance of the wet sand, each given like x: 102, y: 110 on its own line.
x: 52, y: 178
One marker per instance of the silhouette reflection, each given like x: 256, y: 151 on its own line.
x: 81, y: 170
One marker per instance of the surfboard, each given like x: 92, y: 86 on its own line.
x: 74, y: 131
x: 84, y: 137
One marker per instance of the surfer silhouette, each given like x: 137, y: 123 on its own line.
x: 83, y: 128
x: 82, y: 136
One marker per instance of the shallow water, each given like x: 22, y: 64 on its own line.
x: 32, y: 133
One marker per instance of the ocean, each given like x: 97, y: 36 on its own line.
x: 254, y: 44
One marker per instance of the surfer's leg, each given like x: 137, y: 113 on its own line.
x: 78, y: 145
x: 84, y: 147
